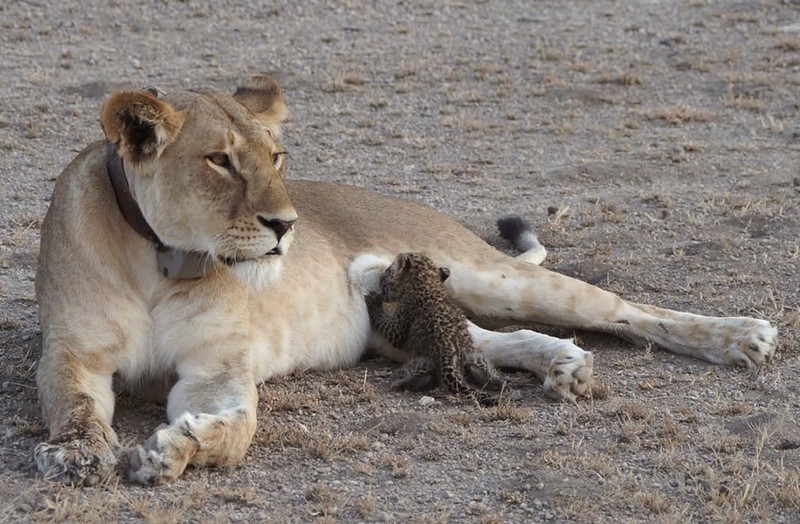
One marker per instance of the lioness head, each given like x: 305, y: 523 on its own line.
x: 207, y: 171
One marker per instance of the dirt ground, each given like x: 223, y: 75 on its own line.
x: 654, y: 144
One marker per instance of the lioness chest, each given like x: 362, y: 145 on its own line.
x: 312, y: 319
x: 307, y: 317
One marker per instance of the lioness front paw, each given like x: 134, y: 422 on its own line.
x: 570, y: 374
x: 80, y: 462
x: 752, y: 342
x: 162, y: 458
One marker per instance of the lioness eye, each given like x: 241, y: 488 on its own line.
x: 220, y: 159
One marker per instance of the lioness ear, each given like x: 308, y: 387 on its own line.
x: 444, y: 274
x: 262, y: 96
x: 139, y: 124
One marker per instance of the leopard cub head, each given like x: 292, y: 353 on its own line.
x: 411, y: 272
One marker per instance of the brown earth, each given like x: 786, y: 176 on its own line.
x: 654, y: 145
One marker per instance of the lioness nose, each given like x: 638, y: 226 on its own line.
x: 277, y: 225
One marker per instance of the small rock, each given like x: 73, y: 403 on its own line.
x: 426, y: 401
x: 552, y: 210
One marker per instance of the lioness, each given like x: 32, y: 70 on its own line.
x: 176, y: 252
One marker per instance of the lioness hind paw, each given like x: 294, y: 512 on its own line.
x: 753, y: 345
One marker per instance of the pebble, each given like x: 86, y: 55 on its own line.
x: 426, y: 401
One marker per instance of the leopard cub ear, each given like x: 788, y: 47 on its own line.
x: 401, y: 263
x: 444, y: 274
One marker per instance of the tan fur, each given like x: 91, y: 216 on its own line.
x: 207, y: 173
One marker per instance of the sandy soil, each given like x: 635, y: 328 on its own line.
x: 654, y: 145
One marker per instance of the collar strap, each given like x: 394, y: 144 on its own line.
x: 127, y: 204
x: 173, y: 263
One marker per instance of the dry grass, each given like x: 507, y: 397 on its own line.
x: 505, y: 411
x: 9, y: 324
x: 680, y: 114
x: 735, y: 100
x: 652, y: 500
x: 322, y: 444
x: 323, y: 501
x: 366, y: 506
x: 790, y: 44
x: 621, y: 79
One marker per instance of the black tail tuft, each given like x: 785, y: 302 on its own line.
x: 512, y: 228
x: 519, y: 233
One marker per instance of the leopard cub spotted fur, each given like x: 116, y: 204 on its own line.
x: 414, y: 314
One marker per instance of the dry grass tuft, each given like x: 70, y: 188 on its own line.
x: 679, y: 114
x: 323, y: 501
x: 600, y: 390
x: 789, y: 44
x: 461, y: 419
x: 246, y: 497
x: 734, y: 408
x: 734, y: 100
x: 366, y: 506
x: 633, y: 410
x: 621, y: 79
x: 787, y: 493
x: 506, y: 411
x: 154, y: 508
x: 324, y: 445
x: 653, y: 501
x: 725, y: 444
x: 512, y: 497
x: 397, y: 464
x: 364, y: 469
x: 9, y: 324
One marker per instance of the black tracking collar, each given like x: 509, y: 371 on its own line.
x: 172, y: 263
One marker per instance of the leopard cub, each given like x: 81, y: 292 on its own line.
x: 412, y: 311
